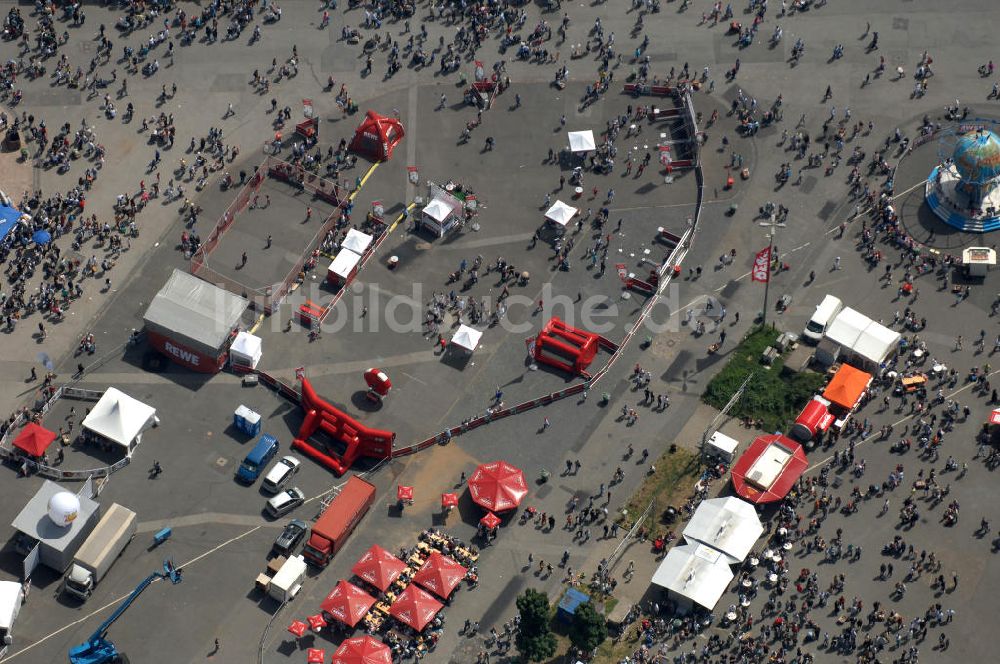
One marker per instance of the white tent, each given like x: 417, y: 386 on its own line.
x: 119, y: 418
x: 847, y: 327
x: 467, y: 337
x: 440, y: 214
x: 343, y: 265
x: 729, y: 525
x: 246, y: 350
x: 722, y: 446
x: 861, y: 337
x: 694, y: 574
x: 356, y: 241
x: 581, y: 141
x: 876, y: 343
x: 560, y: 213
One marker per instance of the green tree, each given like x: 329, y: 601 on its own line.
x: 534, y: 640
x: 588, y: 629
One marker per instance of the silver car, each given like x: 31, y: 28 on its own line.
x: 282, y: 471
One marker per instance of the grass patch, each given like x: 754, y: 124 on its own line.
x: 673, y: 481
x: 775, y: 396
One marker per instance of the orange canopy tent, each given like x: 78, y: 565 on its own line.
x: 440, y: 574
x: 379, y: 567
x: 34, y: 439
x: 415, y: 608
x: 347, y: 603
x: 362, y: 650
x: 847, y: 386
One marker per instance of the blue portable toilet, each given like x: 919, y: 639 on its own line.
x: 247, y: 421
x: 567, y: 607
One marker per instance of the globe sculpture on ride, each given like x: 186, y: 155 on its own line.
x: 962, y: 189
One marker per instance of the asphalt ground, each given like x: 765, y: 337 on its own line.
x: 809, y: 242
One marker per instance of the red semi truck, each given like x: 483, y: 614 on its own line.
x: 337, y: 522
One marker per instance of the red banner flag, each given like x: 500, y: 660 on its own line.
x: 761, y: 265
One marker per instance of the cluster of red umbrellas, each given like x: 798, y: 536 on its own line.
x: 362, y: 650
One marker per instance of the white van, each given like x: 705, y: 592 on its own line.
x: 11, y: 598
x: 822, y: 317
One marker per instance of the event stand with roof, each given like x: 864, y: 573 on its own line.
x: 57, y: 544
x: 246, y: 351
x: 846, y: 388
x: 694, y: 574
x: 729, y: 525
x: 861, y: 339
x: 962, y: 189
x: 467, y: 338
x: 561, y: 214
x: 442, y: 214
x: 581, y: 141
x: 120, y: 419
x: 193, y: 322
x: 768, y: 470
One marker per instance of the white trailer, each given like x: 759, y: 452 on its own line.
x: 96, y: 556
x: 287, y: 583
x: 11, y: 598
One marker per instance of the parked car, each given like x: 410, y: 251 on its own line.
x: 286, y: 543
x: 280, y: 473
x: 285, y: 502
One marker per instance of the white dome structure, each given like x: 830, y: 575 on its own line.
x: 64, y: 507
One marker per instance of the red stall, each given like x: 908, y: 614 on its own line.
x: 194, y: 322
x: 768, y: 470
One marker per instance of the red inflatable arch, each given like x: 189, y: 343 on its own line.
x: 567, y: 348
x: 360, y: 441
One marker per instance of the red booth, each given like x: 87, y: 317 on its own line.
x: 360, y: 440
x: 377, y: 136
x: 769, y: 468
x: 566, y: 348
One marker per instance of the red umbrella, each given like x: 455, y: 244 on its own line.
x: 490, y: 520
x: 498, y: 486
x: 315, y: 656
x: 347, y: 603
x: 316, y: 622
x: 415, y: 608
x: 362, y: 650
x: 440, y: 574
x: 449, y: 500
x: 404, y: 492
x: 379, y: 567
x: 298, y: 628
x: 34, y: 439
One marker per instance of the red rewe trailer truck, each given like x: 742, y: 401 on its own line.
x: 338, y: 521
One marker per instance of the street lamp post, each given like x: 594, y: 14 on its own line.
x: 771, y: 225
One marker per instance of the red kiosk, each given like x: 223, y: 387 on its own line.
x: 377, y: 136
x: 360, y: 441
x: 769, y: 468
x: 567, y: 348
x: 814, y: 420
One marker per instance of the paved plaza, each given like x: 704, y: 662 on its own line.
x: 221, y: 534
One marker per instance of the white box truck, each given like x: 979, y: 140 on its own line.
x: 11, y: 598
x: 114, y: 531
x: 287, y: 583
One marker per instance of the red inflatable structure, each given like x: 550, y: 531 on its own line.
x: 377, y: 136
x: 359, y: 440
x: 568, y: 348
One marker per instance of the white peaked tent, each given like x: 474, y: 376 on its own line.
x: 694, y: 574
x: 246, y: 350
x: 729, y: 525
x: 467, y: 337
x: 119, y: 418
x: 440, y: 215
x: 356, y: 241
x: 343, y: 266
x: 560, y: 213
x: 847, y: 327
x: 581, y: 141
x: 861, y: 337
